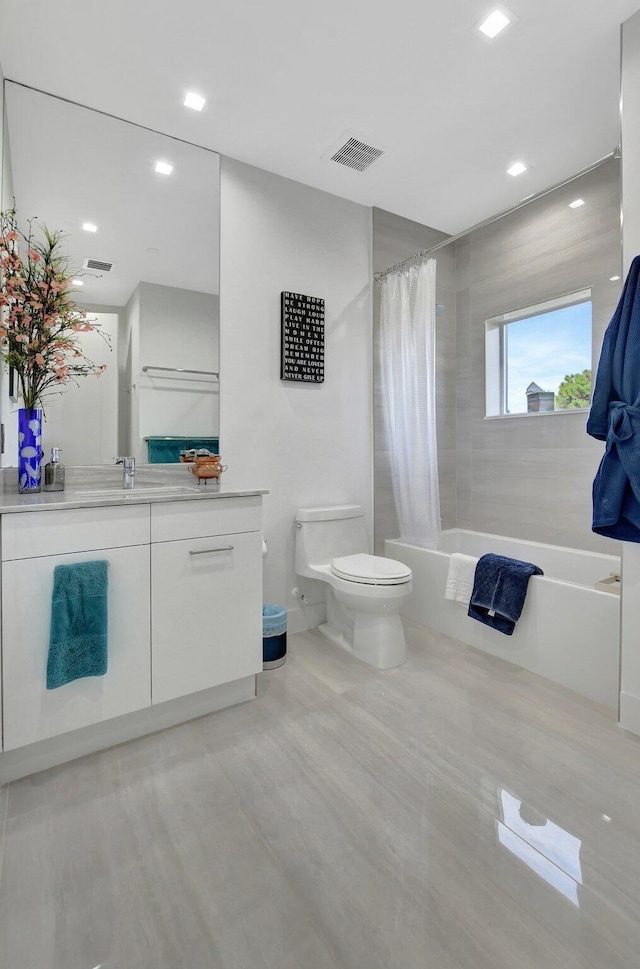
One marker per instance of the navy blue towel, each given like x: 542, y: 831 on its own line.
x: 79, y: 622
x: 499, y: 591
x: 615, y: 418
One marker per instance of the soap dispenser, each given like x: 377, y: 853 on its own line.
x: 54, y: 472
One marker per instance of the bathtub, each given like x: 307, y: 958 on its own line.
x: 568, y: 631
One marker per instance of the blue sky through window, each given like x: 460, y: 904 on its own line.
x: 544, y: 349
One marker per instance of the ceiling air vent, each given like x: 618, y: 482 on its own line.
x: 99, y: 265
x: 356, y: 154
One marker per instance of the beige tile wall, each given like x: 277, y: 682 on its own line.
x: 530, y: 477
x: 527, y: 477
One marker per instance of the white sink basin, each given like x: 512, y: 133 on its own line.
x: 143, y: 491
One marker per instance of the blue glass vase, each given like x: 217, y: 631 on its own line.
x: 29, y: 450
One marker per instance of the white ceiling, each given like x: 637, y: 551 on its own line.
x: 155, y: 228
x: 285, y: 79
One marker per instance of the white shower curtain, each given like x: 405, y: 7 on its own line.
x: 408, y: 346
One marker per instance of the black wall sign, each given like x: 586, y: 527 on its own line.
x: 302, y: 338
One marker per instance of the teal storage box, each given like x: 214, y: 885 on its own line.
x: 166, y: 450
x: 274, y: 636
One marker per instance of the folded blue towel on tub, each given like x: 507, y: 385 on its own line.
x: 79, y: 622
x: 499, y: 591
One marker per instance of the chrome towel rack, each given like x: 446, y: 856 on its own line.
x: 203, y: 373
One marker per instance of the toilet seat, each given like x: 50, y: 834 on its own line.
x: 370, y: 570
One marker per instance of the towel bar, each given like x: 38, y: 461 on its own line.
x: 204, y: 373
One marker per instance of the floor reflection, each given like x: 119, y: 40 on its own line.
x: 547, y: 849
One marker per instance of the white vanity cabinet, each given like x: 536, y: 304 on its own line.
x: 185, y: 620
x: 32, y: 545
x: 206, y: 594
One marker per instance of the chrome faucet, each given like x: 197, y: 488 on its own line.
x: 128, y: 472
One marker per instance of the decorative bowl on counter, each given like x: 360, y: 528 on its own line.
x: 206, y: 465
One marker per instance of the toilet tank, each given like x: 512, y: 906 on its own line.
x: 323, y: 534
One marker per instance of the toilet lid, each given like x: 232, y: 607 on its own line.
x: 370, y: 570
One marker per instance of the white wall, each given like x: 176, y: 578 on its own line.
x: 168, y: 327
x: 83, y: 419
x: 630, y: 103
x: 630, y: 627
x: 2, y: 126
x: 178, y: 328
x: 8, y: 408
x: 308, y: 444
x: 128, y: 365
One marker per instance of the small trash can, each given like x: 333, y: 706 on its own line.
x: 274, y: 636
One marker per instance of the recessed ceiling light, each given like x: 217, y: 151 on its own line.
x: 576, y: 203
x: 163, y: 168
x: 494, y: 24
x: 77, y: 282
x: 89, y: 227
x: 517, y: 168
x: 613, y: 279
x: 194, y: 101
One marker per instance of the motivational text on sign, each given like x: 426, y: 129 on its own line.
x: 302, y: 338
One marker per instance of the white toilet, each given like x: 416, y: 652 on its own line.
x: 364, y: 592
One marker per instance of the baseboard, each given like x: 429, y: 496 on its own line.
x: 306, y: 617
x: 99, y: 736
x: 630, y: 712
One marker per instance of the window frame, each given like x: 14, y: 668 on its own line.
x: 495, y: 344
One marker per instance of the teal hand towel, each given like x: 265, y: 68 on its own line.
x: 79, y: 623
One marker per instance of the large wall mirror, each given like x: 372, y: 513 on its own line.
x: 148, y: 274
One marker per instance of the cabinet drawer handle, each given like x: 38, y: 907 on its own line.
x: 207, y: 551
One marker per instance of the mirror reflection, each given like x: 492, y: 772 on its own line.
x: 140, y: 216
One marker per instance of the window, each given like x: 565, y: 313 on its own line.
x: 538, y: 359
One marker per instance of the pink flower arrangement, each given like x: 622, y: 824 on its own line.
x: 39, y: 323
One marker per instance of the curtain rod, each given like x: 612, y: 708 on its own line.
x: 616, y: 153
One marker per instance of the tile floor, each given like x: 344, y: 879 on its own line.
x: 458, y: 813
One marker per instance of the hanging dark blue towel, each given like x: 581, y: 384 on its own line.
x: 500, y: 587
x: 79, y: 621
x: 615, y: 418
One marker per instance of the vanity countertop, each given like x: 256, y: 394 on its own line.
x: 98, y: 486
